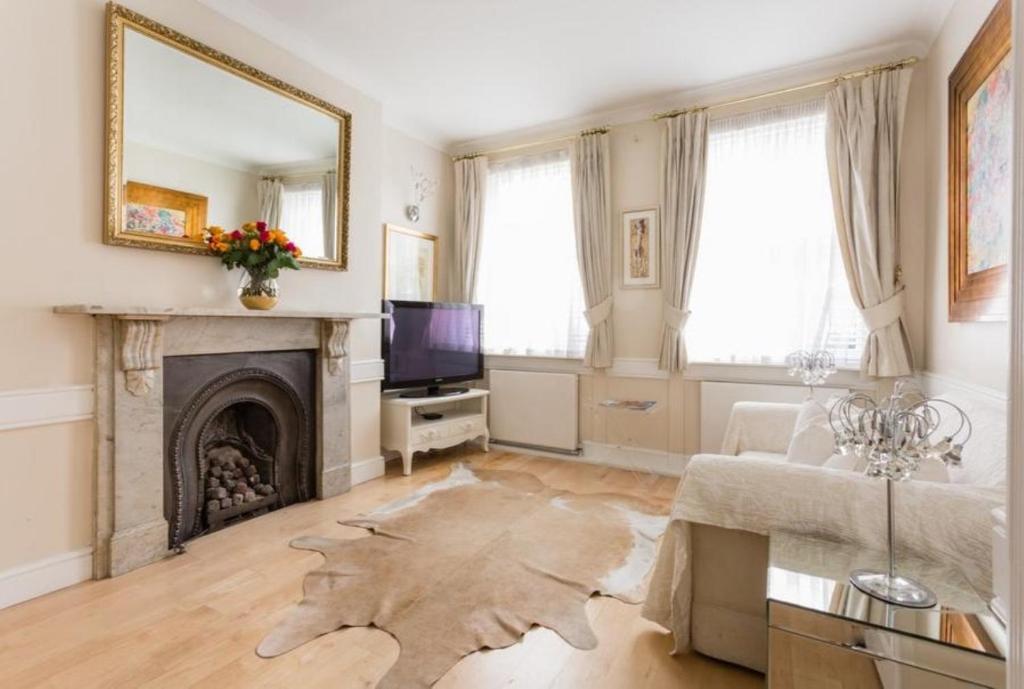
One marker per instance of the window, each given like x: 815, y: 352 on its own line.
x: 529, y: 281
x: 769, y: 276
x: 302, y: 216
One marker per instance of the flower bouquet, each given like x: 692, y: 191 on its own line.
x: 262, y: 253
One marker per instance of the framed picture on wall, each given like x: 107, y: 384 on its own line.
x: 410, y: 264
x: 980, y: 162
x: 640, y: 248
x: 164, y: 214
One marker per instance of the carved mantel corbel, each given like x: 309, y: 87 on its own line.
x: 141, y: 352
x: 335, y: 344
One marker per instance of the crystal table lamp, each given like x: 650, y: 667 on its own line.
x: 812, y: 367
x: 893, y: 436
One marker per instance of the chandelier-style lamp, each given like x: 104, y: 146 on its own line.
x: 812, y: 367
x: 893, y: 436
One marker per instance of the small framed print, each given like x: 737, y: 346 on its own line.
x: 410, y: 264
x: 640, y: 246
x: 158, y: 215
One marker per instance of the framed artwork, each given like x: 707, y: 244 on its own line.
x: 161, y: 214
x: 640, y: 246
x: 980, y: 162
x: 410, y: 264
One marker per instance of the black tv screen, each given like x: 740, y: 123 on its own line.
x: 428, y: 343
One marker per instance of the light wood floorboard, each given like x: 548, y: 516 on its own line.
x: 194, y: 620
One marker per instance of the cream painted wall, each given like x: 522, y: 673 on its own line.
x: 401, y: 153
x: 230, y: 193
x: 973, y: 352
x: 51, y: 174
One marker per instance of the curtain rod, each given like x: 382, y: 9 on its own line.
x: 906, y: 62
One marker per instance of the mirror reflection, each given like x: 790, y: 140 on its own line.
x: 203, y: 146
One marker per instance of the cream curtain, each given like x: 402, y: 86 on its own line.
x: 328, y: 205
x: 270, y: 196
x: 863, y: 129
x: 591, y: 200
x: 470, y: 192
x: 683, y: 166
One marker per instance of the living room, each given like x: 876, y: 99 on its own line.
x: 405, y: 345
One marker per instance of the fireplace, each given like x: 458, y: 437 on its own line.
x: 239, y: 437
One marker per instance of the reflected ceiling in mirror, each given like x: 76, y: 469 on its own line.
x: 199, y: 139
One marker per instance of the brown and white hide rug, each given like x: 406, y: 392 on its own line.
x: 472, y: 562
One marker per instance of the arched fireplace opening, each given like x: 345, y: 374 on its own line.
x: 239, y: 438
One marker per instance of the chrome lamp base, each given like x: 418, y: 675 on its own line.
x: 895, y: 589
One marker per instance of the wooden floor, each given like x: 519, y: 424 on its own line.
x: 194, y: 620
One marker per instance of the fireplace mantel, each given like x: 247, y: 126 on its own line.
x: 144, y: 312
x: 131, y: 343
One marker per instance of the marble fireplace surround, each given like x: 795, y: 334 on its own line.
x: 130, y: 528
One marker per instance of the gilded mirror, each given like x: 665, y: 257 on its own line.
x: 196, y: 139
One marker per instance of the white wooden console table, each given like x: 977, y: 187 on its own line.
x: 404, y: 431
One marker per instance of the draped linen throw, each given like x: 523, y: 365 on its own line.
x: 591, y: 200
x: 270, y: 197
x: 683, y: 167
x: 329, y: 202
x: 863, y: 130
x: 470, y: 192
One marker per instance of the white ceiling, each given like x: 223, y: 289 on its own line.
x: 458, y: 70
x: 179, y: 103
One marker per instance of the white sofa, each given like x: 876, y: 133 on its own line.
x: 709, y: 583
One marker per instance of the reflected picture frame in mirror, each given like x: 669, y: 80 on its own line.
x: 118, y: 20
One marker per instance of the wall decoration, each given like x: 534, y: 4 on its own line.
x: 410, y: 264
x: 219, y: 137
x: 980, y: 162
x: 640, y: 245
x: 157, y: 212
x: 423, y: 188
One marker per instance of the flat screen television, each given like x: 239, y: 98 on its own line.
x: 428, y: 344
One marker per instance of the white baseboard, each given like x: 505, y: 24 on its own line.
x: 364, y: 470
x: 45, y: 406
x: 615, y: 456
x: 35, y: 579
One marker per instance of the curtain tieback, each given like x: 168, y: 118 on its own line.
x: 674, y: 318
x: 599, y: 314
x: 885, y: 313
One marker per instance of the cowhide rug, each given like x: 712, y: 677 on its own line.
x: 473, y: 562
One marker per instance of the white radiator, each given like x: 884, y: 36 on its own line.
x: 716, y: 400
x: 535, y: 409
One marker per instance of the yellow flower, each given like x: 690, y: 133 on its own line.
x: 254, y: 244
x: 249, y: 226
x: 216, y: 231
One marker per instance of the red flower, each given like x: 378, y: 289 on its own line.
x: 236, y: 235
x: 261, y: 227
x: 264, y: 235
x: 290, y: 247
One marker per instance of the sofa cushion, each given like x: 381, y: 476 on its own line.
x: 767, y: 456
x: 813, y: 441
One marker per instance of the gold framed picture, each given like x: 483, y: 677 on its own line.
x: 163, y: 214
x: 640, y: 248
x: 410, y: 264
x: 980, y: 163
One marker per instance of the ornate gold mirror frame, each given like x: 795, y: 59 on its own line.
x: 118, y: 18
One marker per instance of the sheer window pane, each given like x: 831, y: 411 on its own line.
x: 529, y: 280
x: 769, y: 276
x: 302, y: 216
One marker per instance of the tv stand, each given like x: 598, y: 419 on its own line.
x: 405, y: 432
x: 433, y: 391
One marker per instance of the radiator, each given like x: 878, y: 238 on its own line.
x: 716, y: 400
x: 535, y: 409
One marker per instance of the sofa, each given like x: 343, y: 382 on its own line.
x: 708, y: 586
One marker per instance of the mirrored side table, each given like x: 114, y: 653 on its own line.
x: 823, y: 633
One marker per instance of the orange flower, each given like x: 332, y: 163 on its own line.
x: 222, y: 247
x: 254, y: 244
x: 297, y: 252
x: 282, y: 239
